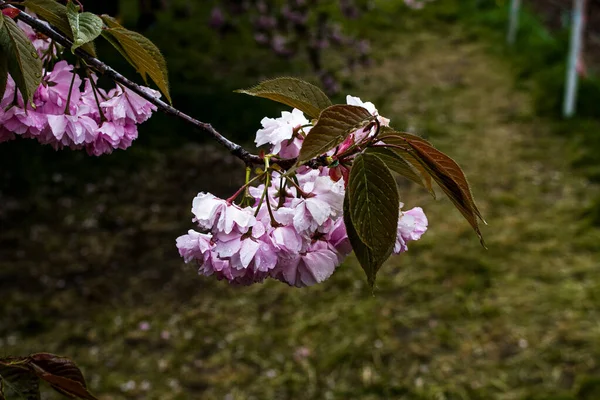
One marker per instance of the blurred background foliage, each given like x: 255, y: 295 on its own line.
x: 88, y: 266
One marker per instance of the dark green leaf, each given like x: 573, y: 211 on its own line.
x: 374, y: 203
x: 293, y: 92
x: 333, y: 127
x: 369, y: 260
x: 141, y: 53
x: 24, y: 64
x: 18, y: 382
x: 56, y: 14
x: 62, y: 373
x: 448, y: 174
x: 85, y: 26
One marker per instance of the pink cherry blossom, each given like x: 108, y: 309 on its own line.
x: 279, y: 132
x: 58, y: 84
x: 193, y: 245
x: 287, y: 240
x: 72, y: 129
x: 64, y: 115
x: 127, y: 105
x: 337, y: 239
x: 307, y: 269
x: 356, y: 101
x: 325, y: 200
x: 412, y: 224
x: 293, y: 231
x: 212, y: 212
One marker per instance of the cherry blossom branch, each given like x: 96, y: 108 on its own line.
x: 234, y: 148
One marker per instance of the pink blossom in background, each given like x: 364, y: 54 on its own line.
x: 66, y: 112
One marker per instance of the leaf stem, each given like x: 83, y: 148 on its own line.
x: 80, y: 5
x: 299, y: 189
x: 274, y: 222
x: 94, y: 90
x: 282, y: 192
x: 67, y: 111
x: 245, y: 186
x: 260, y: 202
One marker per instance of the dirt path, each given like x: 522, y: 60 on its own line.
x: 82, y: 274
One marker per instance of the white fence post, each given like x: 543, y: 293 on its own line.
x: 513, y: 21
x: 577, y: 28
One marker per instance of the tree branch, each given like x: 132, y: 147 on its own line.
x: 105, y: 69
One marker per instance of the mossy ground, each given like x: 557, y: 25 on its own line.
x: 82, y: 269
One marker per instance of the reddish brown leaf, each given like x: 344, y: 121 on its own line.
x: 448, y: 174
x: 335, y: 124
x: 57, y: 365
x: 397, y: 139
x: 62, y: 373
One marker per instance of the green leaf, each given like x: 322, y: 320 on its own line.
x: 24, y: 64
x: 140, y: 52
x: 62, y: 374
x: 450, y: 177
x: 53, y: 12
x: 85, y: 26
x: 56, y: 14
x: 370, y: 261
x: 333, y: 127
x: 18, y: 382
x: 115, y: 43
x: 111, y: 22
x: 374, y: 203
x: 293, y: 92
x: 402, y: 150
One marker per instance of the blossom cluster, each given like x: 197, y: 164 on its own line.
x: 292, y: 229
x: 72, y: 112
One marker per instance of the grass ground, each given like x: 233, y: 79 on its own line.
x: 83, y: 272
